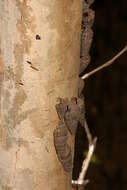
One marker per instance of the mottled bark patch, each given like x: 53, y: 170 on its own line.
x: 1, y: 65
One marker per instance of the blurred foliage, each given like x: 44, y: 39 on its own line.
x: 94, y: 160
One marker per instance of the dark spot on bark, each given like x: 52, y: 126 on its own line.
x: 34, y: 68
x: 28, y: 62
x: 20, y: 83
x: 38, y: 37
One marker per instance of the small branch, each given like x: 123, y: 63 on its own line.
x: 92, y: 144
x: 86, y: 162
x: 108, y: 63
x: 89, y: 136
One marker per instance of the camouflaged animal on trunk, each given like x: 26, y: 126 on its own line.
x: 86, y: 40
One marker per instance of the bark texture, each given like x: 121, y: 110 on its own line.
x: 40, y: 50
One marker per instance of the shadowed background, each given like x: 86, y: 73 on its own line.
x: 106, y: 100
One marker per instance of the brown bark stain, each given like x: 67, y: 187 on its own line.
x: 1, y: 74
x: 2, y: 187
x: 25, y: 28
x: 1, y: 77
x: 1, y: 65
x: 24, y: 25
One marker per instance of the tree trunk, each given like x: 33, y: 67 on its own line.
x: 40, y: 47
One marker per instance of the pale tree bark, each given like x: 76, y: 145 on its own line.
x: 40, y: 48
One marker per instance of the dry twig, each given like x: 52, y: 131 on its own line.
x: 108, y: 63
x: 92, y: 144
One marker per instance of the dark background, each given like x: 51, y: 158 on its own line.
x: 106, y: 100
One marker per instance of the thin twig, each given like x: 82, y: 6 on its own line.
x: 87, y: 160
x: 92, y: 144
x: 108, y: 63
x: 89, y: 136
